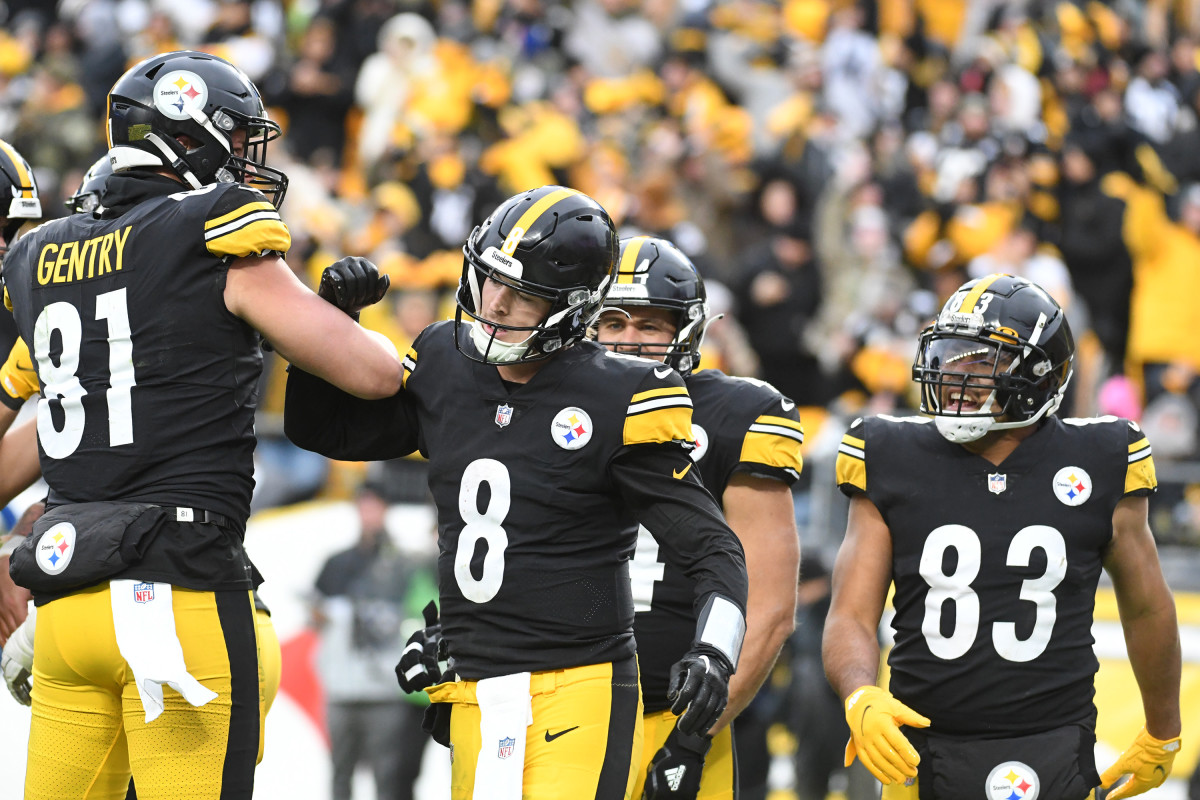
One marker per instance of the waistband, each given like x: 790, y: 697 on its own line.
x: 541, y: 683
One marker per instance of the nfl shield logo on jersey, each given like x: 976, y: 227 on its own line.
x: 506, y: 747
x: 1012, y: 780
x: 503, y: 415
x: 997, y: 482
x: 143, y: 592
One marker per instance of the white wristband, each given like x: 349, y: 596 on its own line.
x: 722, y: 625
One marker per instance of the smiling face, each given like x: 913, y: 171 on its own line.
x: 968, y: 371
x: 639, y: 330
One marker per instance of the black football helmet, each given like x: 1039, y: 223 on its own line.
x: 20, y: 191
x: 554, y: 243
x: 1002, y: 335
x: 87, y: 196
x: 205, y: 98
x: 654, y: 272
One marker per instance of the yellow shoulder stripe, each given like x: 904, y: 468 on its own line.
x: 651, y: 393
x: 253, y: 238
x: 853, y: 441
x: 1140, y: 444
x: 767, y: 419
x: 772, y: 449
x: 851, y: 470
x: 1140, y: 475
x: 248, y: 208
x: 669, y: 424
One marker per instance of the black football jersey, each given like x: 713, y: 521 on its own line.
x: 538, y: 488
x: 740, y: 425
x: 150, y: 383
x: 995, y: 567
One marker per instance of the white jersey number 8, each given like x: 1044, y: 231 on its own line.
x: 486, y: 526
x: 956, y: 588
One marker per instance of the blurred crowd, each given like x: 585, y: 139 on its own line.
x: 834, y: 168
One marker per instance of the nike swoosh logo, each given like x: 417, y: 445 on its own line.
x: 788, y: 405
x: 662, y: 373
x: 24, y: 368
x: 550, y: 737
x: 681, y: 472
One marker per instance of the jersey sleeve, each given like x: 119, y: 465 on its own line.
x: 320, y: 417
x: 1140, y: 479
x: 17, y: 377
x: 660, y: 411
x: 771, y: 445
x: 242, y: 222
x: 664, y: 493
x: 852, y: 460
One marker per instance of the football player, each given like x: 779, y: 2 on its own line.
x: 544, y: 449
x: 18, y: 454
x: 992, y: 518
x: 87, y: 197
x: 747, y: 451
x: 144, y: 323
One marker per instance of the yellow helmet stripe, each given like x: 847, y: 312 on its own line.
x: 531, y: 216
x: 629, y: 259
x: 19, y: 164
x: 968, y: 304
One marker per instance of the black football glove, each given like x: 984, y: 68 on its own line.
x: 674, y: 772
x: 418, y: 667
x: 352, y: 284
x: 699, y: 688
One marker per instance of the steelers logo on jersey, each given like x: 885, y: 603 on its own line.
x: 1012, y: 780
x: 571, y: 428
x: 180, y: 92
x: 1072, y: 486
x: 701, y: 442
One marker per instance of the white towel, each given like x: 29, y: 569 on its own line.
x: 505, y: 711
x: 145, y: 626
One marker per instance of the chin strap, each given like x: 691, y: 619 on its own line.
x: 176, y: 163
x: 494, y: 350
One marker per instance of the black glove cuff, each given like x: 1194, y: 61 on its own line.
x: 698, y: 744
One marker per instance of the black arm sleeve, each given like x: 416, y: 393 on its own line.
x: 686, y: 520
x: 320, y: 417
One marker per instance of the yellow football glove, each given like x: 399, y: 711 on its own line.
x: 1148, y: 762
x: 875, y: 718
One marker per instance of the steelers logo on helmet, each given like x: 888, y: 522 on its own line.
x: 571, y: 428
x: 179, y: 93
x: 701, y: 442
x: 1072, y: 486
x: 1012, y: 780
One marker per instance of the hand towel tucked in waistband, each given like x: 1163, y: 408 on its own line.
x: 145, y: 626
x: 505, y: 711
